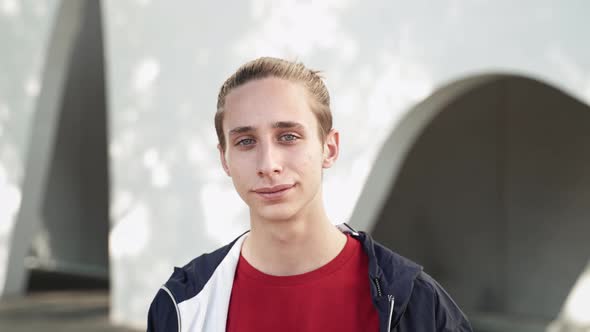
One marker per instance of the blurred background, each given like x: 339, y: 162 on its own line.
x: 465, y: 145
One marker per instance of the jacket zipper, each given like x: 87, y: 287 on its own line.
x: 391, y: 303
x: 391, y: 300
x: 378, y: 286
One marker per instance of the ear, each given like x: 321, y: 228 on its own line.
x: 331, y: 148
x: 223, y: 161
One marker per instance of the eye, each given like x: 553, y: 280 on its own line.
x: 245, y: 142
x: 288, y: 137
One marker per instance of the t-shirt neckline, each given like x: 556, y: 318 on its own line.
x: 247, y: 270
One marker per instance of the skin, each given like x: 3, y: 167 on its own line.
x: 272, y: 139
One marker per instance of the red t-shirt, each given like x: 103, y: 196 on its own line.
x: 334, y: 297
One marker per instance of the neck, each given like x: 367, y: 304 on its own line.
x: 295, y: 246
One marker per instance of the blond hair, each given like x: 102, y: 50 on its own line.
x: 291, y: 71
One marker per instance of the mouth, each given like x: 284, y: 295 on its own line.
x: 275, y: 192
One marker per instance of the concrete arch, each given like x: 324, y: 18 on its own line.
x: 485, y: 183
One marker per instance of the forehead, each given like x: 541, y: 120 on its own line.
x: 267, y: 101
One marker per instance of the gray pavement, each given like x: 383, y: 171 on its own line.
x: 58, y: 311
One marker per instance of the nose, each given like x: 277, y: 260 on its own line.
x: 268, y: 161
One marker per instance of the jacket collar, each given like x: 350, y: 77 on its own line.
x: 199, y: 283
x: 394, y: 273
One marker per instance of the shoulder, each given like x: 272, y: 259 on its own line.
x: 390, y: 264
x: 162, y: 314
x: 387, y: 256
x: 187, y: 281
x: 421, y: 302
x: 428, y: 295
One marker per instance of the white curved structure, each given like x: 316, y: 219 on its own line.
x: 164, y: 62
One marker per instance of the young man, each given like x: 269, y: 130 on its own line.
x: 294, y: 270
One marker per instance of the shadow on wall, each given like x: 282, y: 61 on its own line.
x: 486, y: 184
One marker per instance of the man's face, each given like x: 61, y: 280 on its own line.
x: 273, y: 153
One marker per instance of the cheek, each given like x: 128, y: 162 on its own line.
x: 238, y: 169
x: 317, y: 157
x: 311, y: 162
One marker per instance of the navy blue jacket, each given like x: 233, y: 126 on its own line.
x: 196, y: 297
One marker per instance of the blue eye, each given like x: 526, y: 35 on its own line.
x: 246, y: 141
x: 289, y: 137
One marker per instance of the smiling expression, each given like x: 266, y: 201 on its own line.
x: 274, y: 154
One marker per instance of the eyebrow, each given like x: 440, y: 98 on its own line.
x: 287, y: 124
x: 241, y: 130
x: 279, y: 124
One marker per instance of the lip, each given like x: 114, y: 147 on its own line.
x: 274, y: 192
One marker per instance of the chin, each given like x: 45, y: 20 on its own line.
x: 277, y: 212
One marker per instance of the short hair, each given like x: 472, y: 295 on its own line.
x: 291, y: 71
